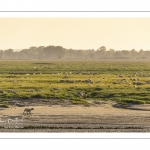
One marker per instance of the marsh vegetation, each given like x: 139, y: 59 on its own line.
x: 106, y: 80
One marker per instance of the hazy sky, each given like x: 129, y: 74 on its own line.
x: 76, y: 33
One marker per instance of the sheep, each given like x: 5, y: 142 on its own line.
x: 88, y: 81
x: 133, y: 79
x: 70, y: 81
x: 138, y: 83
x: 12, y: 104
x: 31, y: 90
x: 62, y: 81
x: 11, y: 91
x: 85, y: 95
x: 65, y: 77
x: 77, y: 94
x: 80, y: 94
x: 147, y: 82
x: 79, y: 80
x: 27, y: 111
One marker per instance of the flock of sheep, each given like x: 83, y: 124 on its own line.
x: 133, y: 79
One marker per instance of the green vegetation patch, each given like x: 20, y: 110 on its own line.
x: 120, y: 81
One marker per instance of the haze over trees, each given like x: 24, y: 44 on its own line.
x: 58, y: 52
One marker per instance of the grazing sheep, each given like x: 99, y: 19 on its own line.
x: 147, y: 82
x: 65, y: 77
x: 31, y: 90
x: 28, y: 111
x: 62, y: 81
x: 133, y: 79
x: 11, y: 91
x: 82, y: 95
x: 85, y: 95
x: 71, y: 81
x: 138, y: 83
x: 88, y: 81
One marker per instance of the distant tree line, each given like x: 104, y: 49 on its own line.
x: 58, y: 52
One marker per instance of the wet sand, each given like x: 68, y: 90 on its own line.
x: 72, y: 118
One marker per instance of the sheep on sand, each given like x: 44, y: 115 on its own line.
x: 28, y: 111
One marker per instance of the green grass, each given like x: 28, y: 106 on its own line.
x: 22, y: 76
x: 80, y: 102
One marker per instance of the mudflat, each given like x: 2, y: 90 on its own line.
x: 107, y: 117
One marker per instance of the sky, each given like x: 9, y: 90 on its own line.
x: 75, y: 33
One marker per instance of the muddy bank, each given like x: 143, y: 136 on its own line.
x: 105, y: 117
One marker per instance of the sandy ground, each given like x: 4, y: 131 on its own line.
x: 100, y: 118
